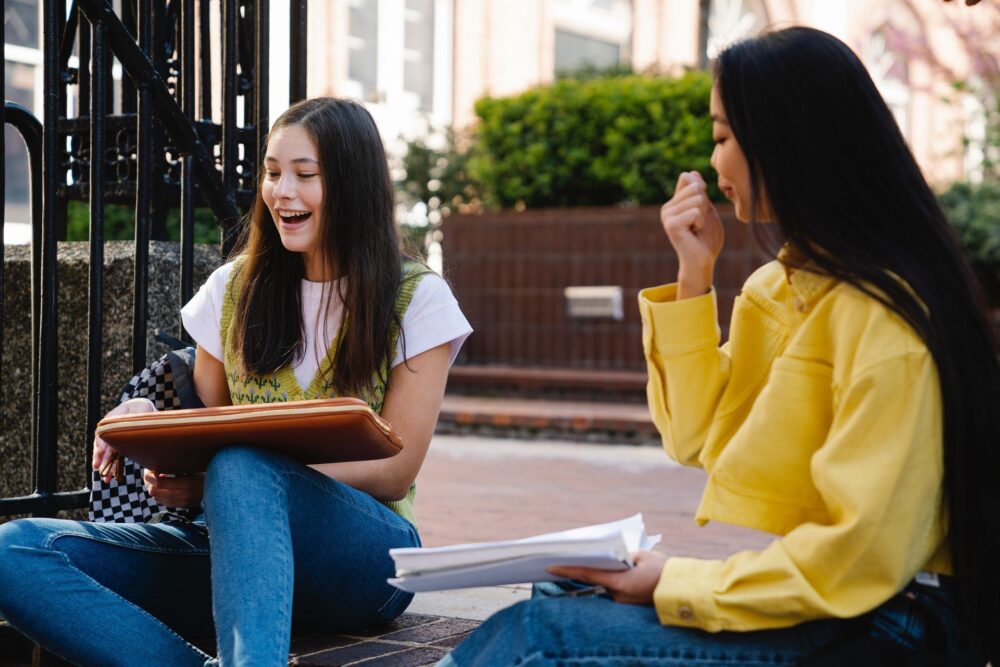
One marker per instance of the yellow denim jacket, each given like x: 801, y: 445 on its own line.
x: 819, y: 421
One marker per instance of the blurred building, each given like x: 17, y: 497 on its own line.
x: 422, y: 64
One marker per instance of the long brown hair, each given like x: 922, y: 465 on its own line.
x: 359, y: 237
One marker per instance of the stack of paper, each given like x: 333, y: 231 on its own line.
x: 606, y: 546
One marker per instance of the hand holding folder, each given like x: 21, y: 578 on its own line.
x: 320, y: 431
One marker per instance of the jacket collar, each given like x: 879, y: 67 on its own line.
x: 805, y: 280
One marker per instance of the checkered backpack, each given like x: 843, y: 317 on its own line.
x: 167, y: 382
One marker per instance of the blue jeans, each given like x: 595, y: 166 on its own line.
x: 553, y: 629
x: 288, y: 547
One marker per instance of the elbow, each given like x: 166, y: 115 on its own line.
x: 394, y: 489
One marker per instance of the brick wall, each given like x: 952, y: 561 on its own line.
x: 508, y: 271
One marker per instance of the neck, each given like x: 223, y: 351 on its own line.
x: 317, y: 269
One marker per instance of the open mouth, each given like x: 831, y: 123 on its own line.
x: 294, y: 217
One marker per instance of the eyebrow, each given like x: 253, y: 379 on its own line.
x: 270, y: 158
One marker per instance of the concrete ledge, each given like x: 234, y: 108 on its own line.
x: 163, y: 305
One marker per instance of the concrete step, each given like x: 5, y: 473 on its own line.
x: 586, y: 421
x: 551, y: 383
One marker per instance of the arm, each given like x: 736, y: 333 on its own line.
x: 412, y: 403
x: 680, y: 333
x: 688, y: 371
x: 879, y: 473
x: 210, y: 379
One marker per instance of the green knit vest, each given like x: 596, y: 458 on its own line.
x: 281, y: 385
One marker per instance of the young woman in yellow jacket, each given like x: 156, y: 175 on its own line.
x: 853, y: 413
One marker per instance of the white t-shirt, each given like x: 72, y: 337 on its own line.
x: 432, y: 319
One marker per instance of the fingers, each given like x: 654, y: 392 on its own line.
x: 135, y: 406
x: 105, y: 459
x: 171, y: 491
x: 606, y: 578
x: 689, y: 182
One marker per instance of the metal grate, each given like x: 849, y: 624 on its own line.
x: 156, y: 148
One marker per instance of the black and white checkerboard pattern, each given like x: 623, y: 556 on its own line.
x: 127, y: 501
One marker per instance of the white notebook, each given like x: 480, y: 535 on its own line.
x: 605, y: 546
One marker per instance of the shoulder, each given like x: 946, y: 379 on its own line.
x: 220, y: 276
x: 430, y: 294
x: 865, y: 333
x: 768, y: 279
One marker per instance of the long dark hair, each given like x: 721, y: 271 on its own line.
x: 845, y: 192
x: 360, y: 238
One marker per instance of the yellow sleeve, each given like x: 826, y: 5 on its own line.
x: 879, y: 473
x: 687, y: 369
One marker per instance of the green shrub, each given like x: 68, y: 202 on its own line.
x: 437, y: 177
x: 597, y: 142
x: 119, y: 223
x: 974, y: 211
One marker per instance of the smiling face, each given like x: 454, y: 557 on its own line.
x: 292, y: 190
x: 729, y: 161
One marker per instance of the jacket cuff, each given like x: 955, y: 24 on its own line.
x: 678, y: 327
x: 683, y: 595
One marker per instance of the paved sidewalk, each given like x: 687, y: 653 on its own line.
x: 473, y: 488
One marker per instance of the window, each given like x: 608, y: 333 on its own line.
x: 729, y: 21
x: 890, y: 71
x: 363, y: 45
x: 590, y: 33
x: 20, y: 23
x: 574, y: 51
x: 22, y: 85
x: 418, y: 51
x: 399, y: 54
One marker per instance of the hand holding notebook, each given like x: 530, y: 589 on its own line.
x: 319, y: 431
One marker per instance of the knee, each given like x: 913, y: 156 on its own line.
x: 19, y: 541
x: 234, y: 461
x: 236, y: 468
x: 20, y: 534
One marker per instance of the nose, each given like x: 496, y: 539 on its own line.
x: 714, y: 158
x: 284, y: 188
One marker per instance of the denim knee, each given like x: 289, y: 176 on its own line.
x: 234, y: 464
x: 17, y: 539
x: 24, y: 533
x: 236, y: 471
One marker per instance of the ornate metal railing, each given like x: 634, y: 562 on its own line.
x: 158, y: 148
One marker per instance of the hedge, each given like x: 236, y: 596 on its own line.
x: 974, y: 211
x: 595, y: 142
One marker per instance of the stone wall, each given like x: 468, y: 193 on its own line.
x: 73, y: 271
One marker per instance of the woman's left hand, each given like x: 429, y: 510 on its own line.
x: 185, y: 491
x: 634, y: 586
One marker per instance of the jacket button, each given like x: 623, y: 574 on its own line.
x: 800, y: 305
x: 685, y: 613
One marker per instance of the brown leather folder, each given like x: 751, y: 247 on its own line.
x: 318, y: 431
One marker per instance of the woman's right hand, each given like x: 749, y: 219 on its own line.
x: 695, y: 230
x: 103, y: 452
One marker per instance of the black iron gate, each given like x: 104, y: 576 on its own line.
x: 157, y: 147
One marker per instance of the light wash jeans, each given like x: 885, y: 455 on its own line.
x: 288, y: 547
x: 553, y: 629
